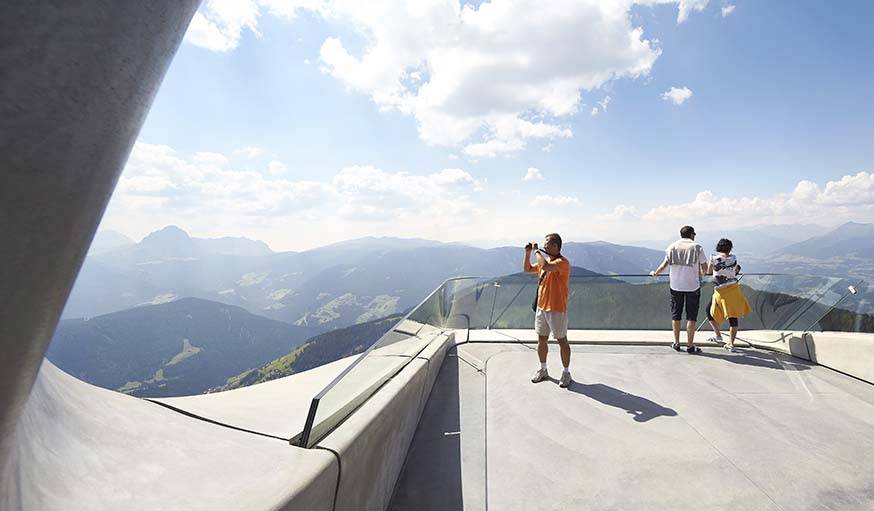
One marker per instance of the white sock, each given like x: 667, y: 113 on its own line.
x: 543, y: 365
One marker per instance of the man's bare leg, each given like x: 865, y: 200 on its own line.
x: 565, y: 350
x: 732, y: 332
x: 542, y: 347
x: 542, y: 350
x: 690, y: 332
x: 675, y: 324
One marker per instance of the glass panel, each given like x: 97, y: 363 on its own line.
x: 371, y: 369
x: 854, y: 312
x: 615, y: 302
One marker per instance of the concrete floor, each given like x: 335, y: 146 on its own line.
x: 642, y: 427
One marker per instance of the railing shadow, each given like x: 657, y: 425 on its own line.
x: 641, y: 408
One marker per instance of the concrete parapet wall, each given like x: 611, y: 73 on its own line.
x: 372, y: 443
x: 848, y: 352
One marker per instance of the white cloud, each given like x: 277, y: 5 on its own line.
x: 728, y: 9
x: 250, y: 152
x: 849, y: 198
x: 533, y: 174
x: 602, y: 106
x: 621, y: 213
x: 556, y: 200
x: 677, y: 96
x: 276, y: 168
x: 453, y: 156
x: 306, y: 61
x: 213, y: 159
x: 219, y: 24
x: 160, y: 187
x: 687, y: 6
x: 466, y: 73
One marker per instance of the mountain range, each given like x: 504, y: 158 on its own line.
x: 325, y: 288
x: 182, y: 347
x: 319, y: 350
x: 363, y: 279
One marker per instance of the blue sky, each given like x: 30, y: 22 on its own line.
x: 302, y: 122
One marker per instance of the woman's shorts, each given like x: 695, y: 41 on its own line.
x: 546, y: 322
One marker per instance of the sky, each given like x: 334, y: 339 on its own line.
x: 305, y: 122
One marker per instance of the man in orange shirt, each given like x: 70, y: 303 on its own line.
x: 554, y: 271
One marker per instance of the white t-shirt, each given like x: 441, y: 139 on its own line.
x: 686, y: 277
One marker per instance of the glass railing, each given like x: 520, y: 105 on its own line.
x: 609, y: 302
x: 388, y: 355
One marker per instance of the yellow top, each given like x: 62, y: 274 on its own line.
x: 729, y: 302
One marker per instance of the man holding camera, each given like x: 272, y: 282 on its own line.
x: 550, y: 305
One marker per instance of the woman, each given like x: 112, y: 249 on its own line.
x: 728, y: 299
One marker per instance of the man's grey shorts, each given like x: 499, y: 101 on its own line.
x: 546, y: 322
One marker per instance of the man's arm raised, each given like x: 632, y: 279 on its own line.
x: 547, y: 266
x: 527, y: 267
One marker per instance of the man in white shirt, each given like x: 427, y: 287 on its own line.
x: 687, y: 261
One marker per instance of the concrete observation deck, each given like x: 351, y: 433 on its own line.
x: 642, y: 427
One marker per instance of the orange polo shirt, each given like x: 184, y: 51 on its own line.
x: 554, y: 289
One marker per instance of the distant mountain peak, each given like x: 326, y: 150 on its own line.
x: 171, y: 241
x: 168, y: 232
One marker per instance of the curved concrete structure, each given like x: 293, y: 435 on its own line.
x: 83, y: 447
x: 80, y: 447
x: 78, y: 77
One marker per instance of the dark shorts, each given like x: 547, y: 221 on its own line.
x: 731, y: 321
x: 685, y: 299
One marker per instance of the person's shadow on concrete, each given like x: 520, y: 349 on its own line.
x: 755, y: 358
x: 640, y: 407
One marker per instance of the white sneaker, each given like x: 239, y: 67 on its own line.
x: 565, y: 380
x: 728, y: 347
x: 540, y: 375
x: 717, y: 340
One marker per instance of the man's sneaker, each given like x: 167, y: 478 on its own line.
x: 540, y: 375
x: 565, y: 380
x: 717, y: 340
x: 728, y: 347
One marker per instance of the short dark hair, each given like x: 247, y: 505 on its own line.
x: 687, y: 232
x: 556, y: 237
x: 724, y: 245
